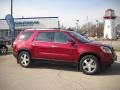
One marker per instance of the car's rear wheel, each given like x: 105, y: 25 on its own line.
x: 24, y: 59
x: 89, y: 64
x: 3, y: 50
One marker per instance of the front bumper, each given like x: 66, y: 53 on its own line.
x: 111, y: 60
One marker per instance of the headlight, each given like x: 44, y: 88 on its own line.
x: 106, y: 49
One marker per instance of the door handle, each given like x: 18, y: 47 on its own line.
x: 33, y: 44
x: 53, y: 46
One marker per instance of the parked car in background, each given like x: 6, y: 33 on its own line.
x: 3, y: 47
x: 6, y: 39
x: 62, y: 46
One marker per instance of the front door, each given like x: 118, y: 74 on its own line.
x: 62, y: 49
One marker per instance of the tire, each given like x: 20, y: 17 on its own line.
x: 89, y: 65
x: 3, y: 50
x: 24, y: 59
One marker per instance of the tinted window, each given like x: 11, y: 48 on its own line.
x: 60, y: 37
x: 25, y: 35
x: 43, y: 36
x: 79, y: 37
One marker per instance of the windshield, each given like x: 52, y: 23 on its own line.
x: 79, y: 37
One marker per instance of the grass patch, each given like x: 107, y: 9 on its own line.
x: 9, y: 49
x: 117, y: 49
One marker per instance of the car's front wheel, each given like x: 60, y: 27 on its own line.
x: 24, y: 59
x: 3, y: 49
x: 89, y: 64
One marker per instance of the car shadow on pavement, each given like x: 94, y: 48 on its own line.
x: 8, y: 53
x: 113, y: 70
x: 56, y: 66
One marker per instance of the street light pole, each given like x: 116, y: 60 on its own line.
x: 77, y: 21
x: 87, y: 26
x: 97, y: 28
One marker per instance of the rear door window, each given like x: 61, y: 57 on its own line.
x: 44, y: 36
x: 25, y: 35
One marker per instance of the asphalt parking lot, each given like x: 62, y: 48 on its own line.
x: 55, y: 77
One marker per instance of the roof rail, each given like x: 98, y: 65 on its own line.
x: 44, y: 29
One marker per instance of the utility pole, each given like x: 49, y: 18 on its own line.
x: 11, y: 7
x: 13, y: 33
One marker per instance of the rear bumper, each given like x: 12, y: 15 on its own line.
x: 15, y: 55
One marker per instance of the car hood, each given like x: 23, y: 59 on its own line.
x: 99, y: 44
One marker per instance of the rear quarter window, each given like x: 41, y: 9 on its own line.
x: 25, y: 36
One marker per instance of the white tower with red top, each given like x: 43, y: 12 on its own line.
x: 109, y: 24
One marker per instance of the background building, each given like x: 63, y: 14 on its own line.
x: 28, y: 23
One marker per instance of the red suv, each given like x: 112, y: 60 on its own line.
x: 62, y: 45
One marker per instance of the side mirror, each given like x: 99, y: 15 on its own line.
x: 72, y: 42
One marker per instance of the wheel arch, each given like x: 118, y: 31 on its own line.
x: 3, y: 46
x: 21, y: 50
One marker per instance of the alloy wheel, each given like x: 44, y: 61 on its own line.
x: 24, y: 60
x: 3, y: 50
x: 89, y: 65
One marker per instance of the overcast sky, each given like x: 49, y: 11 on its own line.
x: 68, y: 11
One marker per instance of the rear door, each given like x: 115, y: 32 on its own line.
x: 41, y: 45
